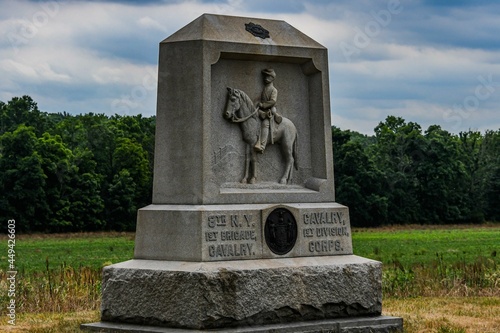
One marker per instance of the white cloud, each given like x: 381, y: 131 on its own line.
x: 46, y: 73
x: 102, y: 56
x: 16, y: 68
x: 150, y: 23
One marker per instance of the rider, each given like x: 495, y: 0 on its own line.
x: 267, y: 109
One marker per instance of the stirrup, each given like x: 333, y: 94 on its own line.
x: 258, y: 149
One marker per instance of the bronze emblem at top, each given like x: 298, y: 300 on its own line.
x: 280, y: 231
x: 257, y: 30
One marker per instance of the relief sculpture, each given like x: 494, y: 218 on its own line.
x: 262, y: 125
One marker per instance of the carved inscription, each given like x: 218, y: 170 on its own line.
x: 326, y: 232
x: 222, y: 153
x: 230, y: 236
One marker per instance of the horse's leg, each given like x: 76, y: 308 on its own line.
x: 287, y: 145
x: 288, y: 156
x: 287, y: 175
x: 253, y: 165
x: 247, y: 164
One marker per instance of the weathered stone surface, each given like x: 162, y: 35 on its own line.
x: 250, y: 292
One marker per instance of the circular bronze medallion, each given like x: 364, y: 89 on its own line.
x: 280, y: 231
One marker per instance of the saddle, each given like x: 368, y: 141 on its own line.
x: 269, y: 114
x: 278, y: 118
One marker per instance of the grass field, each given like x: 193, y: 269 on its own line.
x: 438, y: 261
x: 439, y: 279
x: 412, y: 246
x: 405, y: 246
x: 94, y: 250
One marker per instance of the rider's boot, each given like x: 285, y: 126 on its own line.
x: 257, y: 146
x: 263, y: 140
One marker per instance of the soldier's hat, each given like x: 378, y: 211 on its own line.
x: 269, y: 71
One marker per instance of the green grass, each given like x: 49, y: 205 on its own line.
x: 408, y: 247
x: 434, y: 262
x: 33, y: 253
x: 62, y: 272
x: 404, y: 247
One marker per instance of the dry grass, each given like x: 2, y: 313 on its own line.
x: 439, y: 279
x: 447, y: 315
x: 421, y: 315
x: 65, y: 322
x: 64, y: 290
x: 53, y: 301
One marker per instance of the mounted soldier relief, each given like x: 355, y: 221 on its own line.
x: 261, y: 126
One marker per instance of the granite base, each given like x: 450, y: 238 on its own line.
x: 210, y: 295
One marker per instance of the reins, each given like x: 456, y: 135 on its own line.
x: 240, y: 120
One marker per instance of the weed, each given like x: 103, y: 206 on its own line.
x: 446, y: 262
x: 65, y: 289
x: 441, y: 278
x: 450, y: 329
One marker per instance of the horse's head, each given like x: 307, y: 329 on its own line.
x: 233, y: 103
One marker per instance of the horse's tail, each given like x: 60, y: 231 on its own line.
x: 294, y: 152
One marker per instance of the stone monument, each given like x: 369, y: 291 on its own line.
x: 244, y: 234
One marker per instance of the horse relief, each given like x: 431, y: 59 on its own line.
x: 254, y: 122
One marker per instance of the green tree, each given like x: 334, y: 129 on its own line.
x: 138, y: 129
x: 491, y: 158
x: 492, y: 211
x: 441, y: 179
x: 73, y: 169
x: 100, y: 139
x: 397, y: 152
x: 72, y: 131
x: 58, y: 170
x: 129, y: 155
x: 480, y: 154
x: 358, y: 181
x: 86, y: 205
x: 22, y: 179
x: 121, y: 206
x: 22, y: 110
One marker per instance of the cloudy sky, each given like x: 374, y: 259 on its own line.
x: 432, y: 62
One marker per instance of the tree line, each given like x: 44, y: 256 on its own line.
x: 89, y: 172
x: 66, y: 173
x: 402, y: 175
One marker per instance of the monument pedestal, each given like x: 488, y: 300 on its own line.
x: 309, y: 294
x: 237, y: 241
